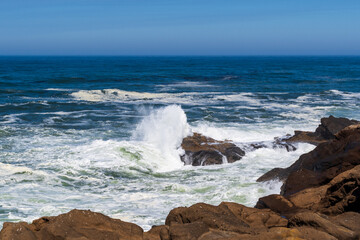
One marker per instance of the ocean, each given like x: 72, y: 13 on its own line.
x: 103, y: 133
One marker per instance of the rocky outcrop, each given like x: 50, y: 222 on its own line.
x: 226, y: 221
x: 340, y: 195
x: 201, y: 151
x: 321, y: 165
x: 326, y: 131
x: 76, y: 224
x: 319, y: 200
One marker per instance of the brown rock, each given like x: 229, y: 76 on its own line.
x: 340, y: 195
x: 157, y: 233
x: 330, y: 126
x: 222, y: 235
x: 310, y: 233
x: 227, y: 216
x: 326, y: 131
x: 187, y: 231
x: 76, y: 224
x: 307, y: 137
x: 349, y: 220
x: 276, y: 203
x: 319, y: 166
x: 201, y: 151
x: 321, y: 223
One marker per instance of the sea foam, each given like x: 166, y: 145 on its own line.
x: 164, y: 129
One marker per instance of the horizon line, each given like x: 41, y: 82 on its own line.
x: 179, y: 55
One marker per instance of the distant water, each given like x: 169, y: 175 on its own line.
x: 102, y: 133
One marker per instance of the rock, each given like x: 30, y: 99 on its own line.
x: 187, y: 230
x: 330, y: 126
x: 230, y: 217
x: 340, y: 195
x: 272, y: 233
x: 157, y: 233
x: 326, y: 131
x: 306, y: 137
x: 277, y: 143
x: 76, y: 224
x: 310, y: 233
x: 276, y: 203
x: 273, y: 174
x: 201, y: 151
x: 349, y: 220
x: 321, y: 223
x: 321, y: 165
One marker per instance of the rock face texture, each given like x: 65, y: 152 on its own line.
x: 320, y: 199
x: 76, y: 224
x: 201, y: 151
x: 321, y: 165
x: 326, y: 131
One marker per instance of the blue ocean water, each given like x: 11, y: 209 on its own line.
x: 103, y: 133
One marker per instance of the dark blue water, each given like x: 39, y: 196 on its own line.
x: 102, y: 133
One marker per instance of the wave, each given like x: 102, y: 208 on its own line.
x: 189, y: 98
x: 165, y: 129
x: 117, y: 95
x: 345, y: 95
x: 249, y: 98
x: 185, y: 84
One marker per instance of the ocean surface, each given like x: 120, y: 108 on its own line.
x: 103, y: 133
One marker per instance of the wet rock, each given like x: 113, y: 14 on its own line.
x: 306, y: 137
x: 321, y: 165
x: 341, y: 195
x: 76, y: 224
x: 326, y: 131
x: 278, y: 143
x: 201, y: 151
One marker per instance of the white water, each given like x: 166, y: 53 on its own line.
x: 138, y: 180
x: 165, y: 129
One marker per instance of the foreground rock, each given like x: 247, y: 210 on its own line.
x: 326, y: 131
x: 340, y: 195
x: 321, y: 165
x: 201, y: 151
x: 76, y: 224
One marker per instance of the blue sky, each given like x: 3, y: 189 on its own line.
x: 181, y: 27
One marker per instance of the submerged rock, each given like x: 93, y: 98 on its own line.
x: 201, y: 151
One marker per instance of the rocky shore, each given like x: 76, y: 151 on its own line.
x: 319, y: 198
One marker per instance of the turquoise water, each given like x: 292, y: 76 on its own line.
x: 103, y: 133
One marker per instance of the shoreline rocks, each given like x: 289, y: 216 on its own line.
x: 326, y: 131
x: 321, y: 165
x: 320, y: 199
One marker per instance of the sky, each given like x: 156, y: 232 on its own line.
x: 179, y: 27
